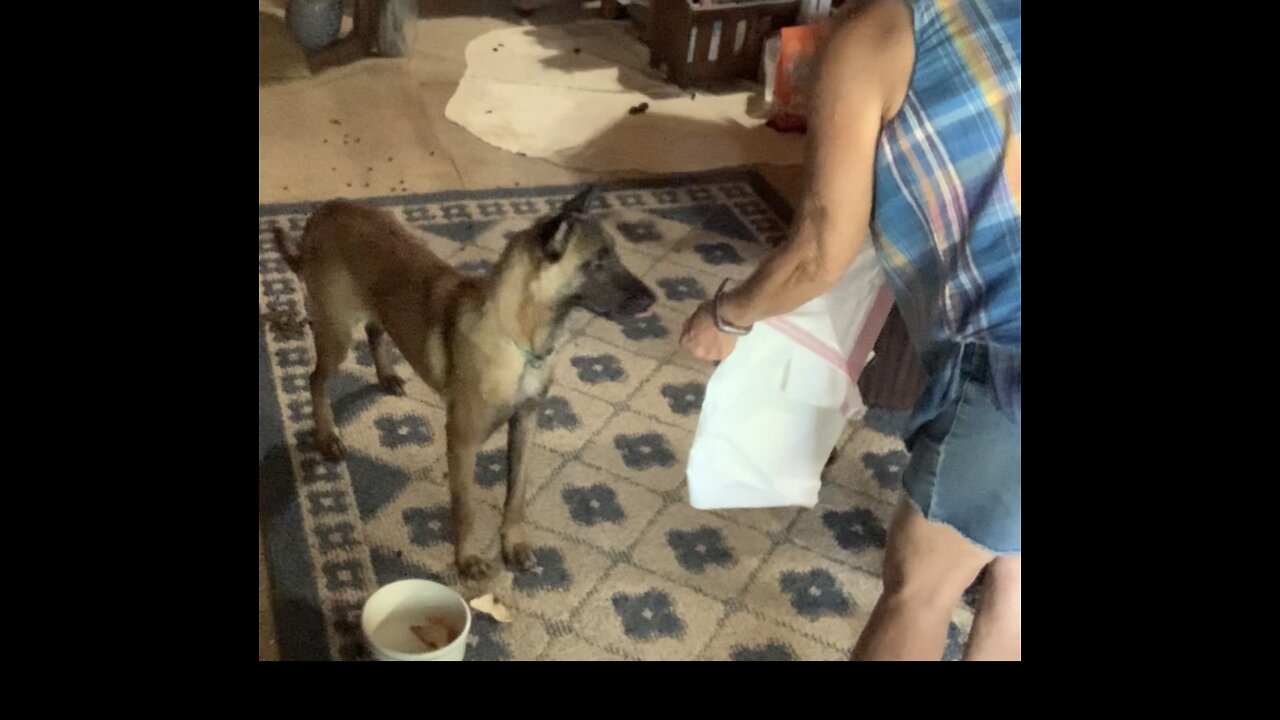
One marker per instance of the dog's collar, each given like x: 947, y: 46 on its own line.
x: 531, y: 359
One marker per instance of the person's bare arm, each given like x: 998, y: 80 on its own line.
x: 862, y: 78
x: 855, y: 89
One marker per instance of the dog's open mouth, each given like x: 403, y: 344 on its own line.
x: 618, y: 316
x: 633, y: 308
x: 629, y: 312
x: 616, y: 296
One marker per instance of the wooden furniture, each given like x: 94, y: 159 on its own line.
x: 700, y: 42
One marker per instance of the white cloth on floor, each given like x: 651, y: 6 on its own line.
x: 563, y: 93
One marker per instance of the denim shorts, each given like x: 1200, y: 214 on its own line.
x: 966, y: 463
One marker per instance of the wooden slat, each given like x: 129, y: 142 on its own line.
x: 670, y: 29
x: 703, y: 46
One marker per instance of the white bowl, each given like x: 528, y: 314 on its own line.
x: 393, y: 609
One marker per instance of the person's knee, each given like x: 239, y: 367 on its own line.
x: 928, y: 565
x: 922, y: 581
x: 1005, y: 577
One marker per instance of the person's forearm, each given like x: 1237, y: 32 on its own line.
x: 794, y: 274
x: 851, y: 99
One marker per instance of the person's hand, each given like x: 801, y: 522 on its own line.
x: 701, y: 338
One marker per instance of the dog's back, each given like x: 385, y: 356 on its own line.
x: 362, y: 265
x: 370, y: 244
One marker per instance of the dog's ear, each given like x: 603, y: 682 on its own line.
x: 577, y: 205
x: 555, y: 232
x: 554, y: 235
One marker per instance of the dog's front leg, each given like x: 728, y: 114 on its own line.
x: 515, y: 550
x: 462, y: 468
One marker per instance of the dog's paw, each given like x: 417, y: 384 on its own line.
x: 474, y: 567
x: 332, y: 449
x: 392, y: 385
x: 519, y: 557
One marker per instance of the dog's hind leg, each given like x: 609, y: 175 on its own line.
x: 380, y: 348
x: 515, y: 551
x: 333, y: 340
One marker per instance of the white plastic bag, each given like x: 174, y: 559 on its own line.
x: 776, y: 406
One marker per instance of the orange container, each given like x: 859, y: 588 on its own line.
x: 793, y: 80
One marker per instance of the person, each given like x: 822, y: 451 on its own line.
x: 915, y: 130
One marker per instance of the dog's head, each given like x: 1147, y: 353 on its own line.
x: 577, y: 263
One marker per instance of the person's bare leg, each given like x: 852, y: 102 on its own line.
x: 927, y: 567
x: 997, y: 628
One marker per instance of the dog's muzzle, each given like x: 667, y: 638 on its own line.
x: 639, y: 302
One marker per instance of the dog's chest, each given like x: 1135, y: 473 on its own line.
x: 532, y: 383
x: 512, y: 380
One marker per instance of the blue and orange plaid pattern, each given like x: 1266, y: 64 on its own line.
x: 948, y: 199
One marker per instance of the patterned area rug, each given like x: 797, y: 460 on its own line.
x: 626, y: 569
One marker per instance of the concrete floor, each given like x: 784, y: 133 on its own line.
x: 359, y: 130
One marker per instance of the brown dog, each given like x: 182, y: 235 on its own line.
x: 484, y: 344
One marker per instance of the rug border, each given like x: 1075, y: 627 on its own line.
x: 290, y: 572
x: 758, y: 183
x: 302, y: 636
